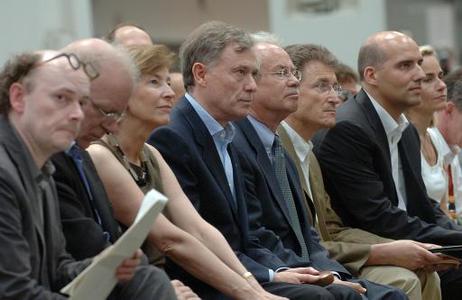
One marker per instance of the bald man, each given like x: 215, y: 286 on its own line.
x: 86, y: 215
x: 371, y: 158
x: 128, y: 34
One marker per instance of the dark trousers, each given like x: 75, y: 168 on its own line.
x: 451, y: 284
x: 148, y: 283
x: 334, y: 291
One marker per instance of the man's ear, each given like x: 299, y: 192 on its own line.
x: 199, y: 70
x: 370, y: 75
x: 17, y: 94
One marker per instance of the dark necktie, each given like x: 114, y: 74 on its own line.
x: 279, y: 166
x: 76, y: 156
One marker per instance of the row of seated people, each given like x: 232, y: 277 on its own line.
x: 241, y: 213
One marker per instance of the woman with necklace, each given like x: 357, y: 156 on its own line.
x: 129, y: 167
x: 433, y: 99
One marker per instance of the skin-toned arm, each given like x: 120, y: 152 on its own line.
x: 408, y: 254
x: 182, y: 247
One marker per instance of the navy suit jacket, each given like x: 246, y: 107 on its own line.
x: 355, y: 160
x: 268, y: 209
x: 84, y: 236
x: 189, y: 149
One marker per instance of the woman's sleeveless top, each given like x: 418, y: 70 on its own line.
x: 147, y: 177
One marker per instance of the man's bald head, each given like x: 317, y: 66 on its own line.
x: 373, y: 53
x: 131, y: 35
x: 110, y: 91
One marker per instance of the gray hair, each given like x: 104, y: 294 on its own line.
x: 266, y: 37
x: 206, y: 44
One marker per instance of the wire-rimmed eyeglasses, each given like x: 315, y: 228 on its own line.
x: 285, y: 74
x: 325, y: 87
x: 108, y: 116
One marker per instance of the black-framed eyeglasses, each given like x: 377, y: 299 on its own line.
x: 76, y: 63
x: 108, y: 116
x: 285, y: 74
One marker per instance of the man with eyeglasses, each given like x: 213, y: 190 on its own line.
x: 86, y: 215
x: 365, y: 254
x: 40, y: 103
x: 273, y: 192
x: 371, y: 158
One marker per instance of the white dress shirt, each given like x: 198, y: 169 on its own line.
x: 394, y: 131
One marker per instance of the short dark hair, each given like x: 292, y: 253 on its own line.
x: 302, y: 54
x: 206, y: 44
x: 110, y: 37
x: 370, y: 55
x: 15, y: 70
x: 454, y: 87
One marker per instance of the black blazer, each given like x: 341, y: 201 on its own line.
x: 190, y: 151
x: 33, y: 260
x: 267, y: 208
x: 84, y: 236
x: 355, y: 161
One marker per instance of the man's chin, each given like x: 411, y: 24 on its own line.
x: 413, y: 100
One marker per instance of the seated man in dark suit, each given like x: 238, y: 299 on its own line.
x: 274, y: 197
x: 40, y: 104
x: 369, y: 256
x: 219, y: 69
x: 371, y: 158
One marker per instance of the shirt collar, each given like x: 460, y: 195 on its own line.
x: 302, y: 148
x: 214, y: 128
x: 264, y: 133
x: 392, y: 128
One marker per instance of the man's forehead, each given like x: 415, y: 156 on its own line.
x: 61, y: 76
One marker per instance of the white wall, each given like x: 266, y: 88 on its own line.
x: 170, y: 21
x: 341, y: 32
x: 28, y: 25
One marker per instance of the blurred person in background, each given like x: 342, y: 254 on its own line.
x: 448, y: 131
x: 422, y: 115
x: 348, y: 80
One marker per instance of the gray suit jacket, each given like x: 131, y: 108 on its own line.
x: 33, y: 260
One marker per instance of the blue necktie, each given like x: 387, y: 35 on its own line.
x: 280, y: 171
x: 76, y: 156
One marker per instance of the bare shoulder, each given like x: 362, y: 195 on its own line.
x: 99, y: 153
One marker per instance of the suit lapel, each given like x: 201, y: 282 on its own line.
x: 99, y: 197
x: 318, y: 192
x: 380, y: 136
x: 208, y: 150
x: 17, y: 150
x: 264, y: 163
